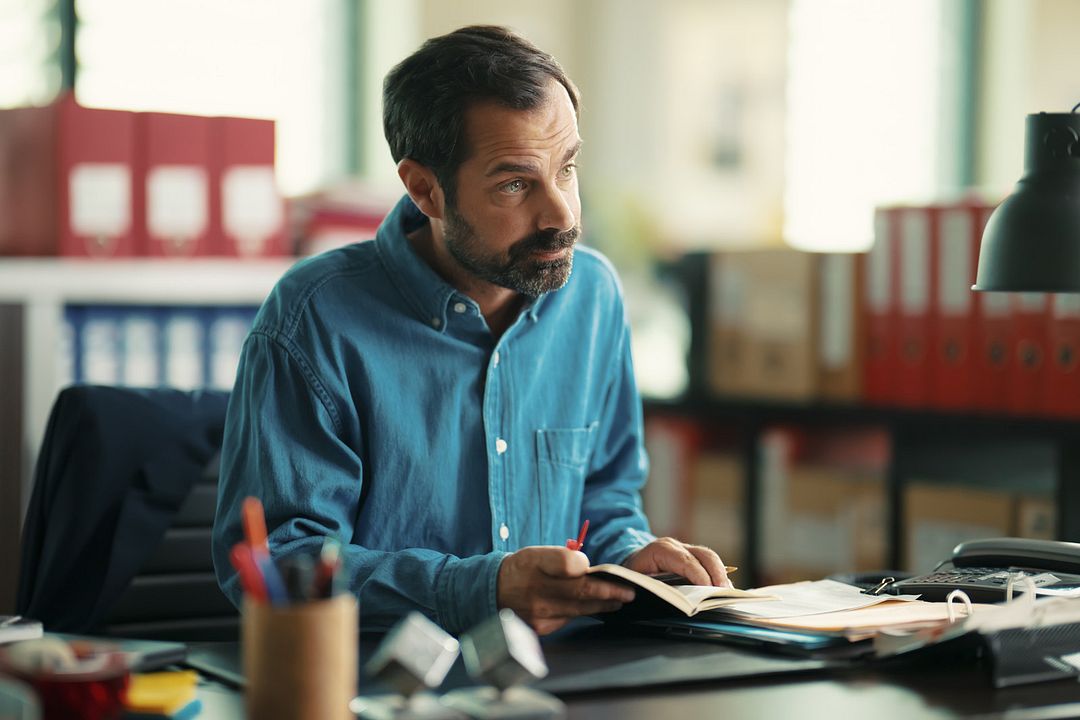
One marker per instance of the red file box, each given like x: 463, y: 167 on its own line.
x: 172, y: 192
x: 66, y: 181
x: 247, y: 212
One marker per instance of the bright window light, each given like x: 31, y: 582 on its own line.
x: 29, y: 38
x: 863, y: 116
x: 256, y: 58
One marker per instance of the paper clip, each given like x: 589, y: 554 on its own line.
x: 880, y: 587
x: 962, y: 597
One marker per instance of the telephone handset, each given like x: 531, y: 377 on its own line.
x: 981, y: 568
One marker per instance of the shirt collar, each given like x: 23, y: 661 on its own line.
x: 422, y: 287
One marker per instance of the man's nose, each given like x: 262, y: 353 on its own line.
x: 558, y: 212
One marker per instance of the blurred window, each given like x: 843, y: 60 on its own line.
x: 871, y: 114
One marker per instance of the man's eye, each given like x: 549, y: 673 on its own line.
x: 514, y: 186
x: 568, y: 171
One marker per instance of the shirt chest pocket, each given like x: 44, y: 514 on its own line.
x: 562, y: 460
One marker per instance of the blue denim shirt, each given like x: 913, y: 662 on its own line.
x: 373, y: 404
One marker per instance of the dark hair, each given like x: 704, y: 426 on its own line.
x: 425, y: 95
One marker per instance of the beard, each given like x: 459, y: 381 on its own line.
x: 518, y: 269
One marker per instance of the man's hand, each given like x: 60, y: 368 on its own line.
x: 548, y: 586
x: 698, y: 564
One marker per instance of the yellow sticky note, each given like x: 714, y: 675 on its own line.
x: 161, y: 693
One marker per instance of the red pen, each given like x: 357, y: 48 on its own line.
x: 251, y: 577
x: 580, y: 542
x: 254, y: 524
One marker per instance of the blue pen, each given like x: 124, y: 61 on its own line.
x: 275, y: 586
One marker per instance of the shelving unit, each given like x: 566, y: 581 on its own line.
x: 33, y: 295
x: 924, y: 443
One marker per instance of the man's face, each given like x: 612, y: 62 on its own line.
x: 517, y: 212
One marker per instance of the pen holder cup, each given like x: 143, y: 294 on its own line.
x: 300, y: 660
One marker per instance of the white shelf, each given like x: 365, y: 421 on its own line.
x: 205, y: 281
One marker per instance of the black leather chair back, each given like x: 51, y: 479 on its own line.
x: 117, y: 534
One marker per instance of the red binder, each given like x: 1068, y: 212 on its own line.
x: 877, y: 271
x: 247, y: 212
x: 70, y: 176
x: 992, y: 359
x: 172, y: 192
x: 1061, y: 391
x: 1028, y: 344
x: 953, y: 382
x: 915, y: 329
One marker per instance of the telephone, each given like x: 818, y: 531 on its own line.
x: 981, y: 568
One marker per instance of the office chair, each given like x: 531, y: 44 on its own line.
x: 117, y: 535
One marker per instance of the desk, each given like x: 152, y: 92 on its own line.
x: 944, y: 688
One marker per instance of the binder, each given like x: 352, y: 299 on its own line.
x: 246, y: 210
x: 953, y: 381
x: 878, y: 309
x: 1061, y: 391
x: 67, y: 181
x: 100, y: 346
x: 1028, y: 344
x: 228, y: 328
x: 993, y: 360
x: 917, y: 231
x: 183, y: 348
x: 140, y: 348
x: 172, y: 189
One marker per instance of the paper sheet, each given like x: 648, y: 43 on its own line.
x: 810, y: 598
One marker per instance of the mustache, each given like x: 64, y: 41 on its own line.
x: 547, y: 241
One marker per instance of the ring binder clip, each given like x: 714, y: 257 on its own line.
x: 880, y: 587
x: 1026, y: 581
x: 962, y: 597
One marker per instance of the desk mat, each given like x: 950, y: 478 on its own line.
x: 581, y: 658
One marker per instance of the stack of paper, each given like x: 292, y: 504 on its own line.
x: 834, y: 608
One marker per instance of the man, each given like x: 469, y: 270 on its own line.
x: 450, y: 399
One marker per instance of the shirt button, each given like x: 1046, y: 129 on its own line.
x: 459, y: 307
x: 495, y: 360
x: 504, y: 532
x: 500, y: 446
x: 435, y: 322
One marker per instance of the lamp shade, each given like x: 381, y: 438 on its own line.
x: 1032, y: 241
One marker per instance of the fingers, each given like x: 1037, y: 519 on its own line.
x: 558, y: 562
x: 712, y: 564
x: 546, y: 586
x: 699, y: 565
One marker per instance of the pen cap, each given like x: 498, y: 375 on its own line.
x: 415, y: 654
x: 300, y: 660
x: 503, y: 651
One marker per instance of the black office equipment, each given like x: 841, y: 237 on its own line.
x: 117, y: 534
x: 982, y: 568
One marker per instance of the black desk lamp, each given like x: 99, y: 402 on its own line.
x: 1032, y: 240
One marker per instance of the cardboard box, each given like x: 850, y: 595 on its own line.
x: 938, y: 517
x: 763, y: 324
x: 717, y: 505
x: 1036, y: 517
x: 835, y: 523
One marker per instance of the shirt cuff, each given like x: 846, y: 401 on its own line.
x: 629, y: 543
x: 466, y: 591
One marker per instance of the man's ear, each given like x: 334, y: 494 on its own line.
x: 423, y: 187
